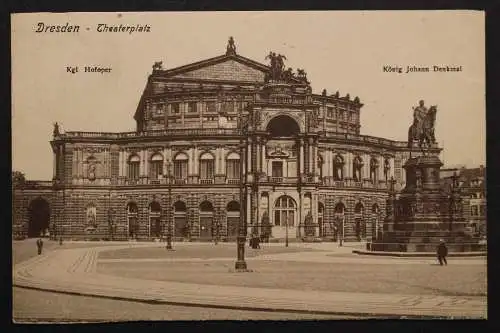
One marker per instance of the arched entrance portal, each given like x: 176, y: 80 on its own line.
x: 233, y: 219
x: 155, y: 220
x: 376, y: 225
x: 284, y: 217
x: 360, y: 225
x: 206, y: 219
x: 283, y: 126
x: 39, y: 218
x: 132, y: 212
x: 339, y: 224
x: 180, y: 221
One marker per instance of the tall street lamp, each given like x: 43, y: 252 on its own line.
x: 241, y: 264
x: 286, y: 229
x: 169, y: 206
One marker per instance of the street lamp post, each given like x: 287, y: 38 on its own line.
x: 169, y: 209
x: 286, y: 230
x: 241, y: 264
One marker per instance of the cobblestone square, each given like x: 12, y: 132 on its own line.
x: 303, y: 281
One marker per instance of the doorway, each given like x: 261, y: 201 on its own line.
x: 39, y: 218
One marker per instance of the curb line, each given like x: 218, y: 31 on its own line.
x: 417, y: 254
x: 366, y: 315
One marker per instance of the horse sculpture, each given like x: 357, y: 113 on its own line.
x: 423, y: 130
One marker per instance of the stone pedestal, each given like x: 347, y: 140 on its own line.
x: 424, y: 213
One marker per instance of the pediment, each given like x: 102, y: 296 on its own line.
x: 226, y: 68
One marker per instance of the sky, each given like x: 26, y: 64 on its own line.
x: 340, y: 51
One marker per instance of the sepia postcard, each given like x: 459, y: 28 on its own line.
x: 248, y: 166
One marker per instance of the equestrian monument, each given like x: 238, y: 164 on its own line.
x: 424, y: 212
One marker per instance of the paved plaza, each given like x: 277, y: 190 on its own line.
x: 303, y: 281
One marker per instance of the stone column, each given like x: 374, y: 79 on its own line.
x: 120, y: 163
x: 126, y: 155
x: 249, y: 209
x: 54, y: 165
x: 196, y: 161
x: 223, y: 161
x: 300, y: 226
x: 380, y: 169
x: 348, y: 165
x: 314, y: 211
x: 191, y: 164
x: 249, y: 155
x: 74, y: 164
x: 141, y: 165
x: 81, y: 163
x: 365, y: 173
x: 146, y: 163
x: 301, y: 157
x: 391, y: 164
x: 263, y: 157
x: 315, y: 158
x: 310, y: 155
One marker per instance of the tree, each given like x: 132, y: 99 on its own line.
x: 18, y: 178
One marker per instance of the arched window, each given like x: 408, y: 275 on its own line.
x: 206, y: 219
x: 156, y: 166
x: 155, y: 219
x: 284, y: 211
x: 374, y: 170
x: 376, y: 225
x: 233, y: 166
x: 338, y: 168
x: 181, y: 167
x: 360, y: 223
x: 181, y: 226
x: 321, y: 212
x: 357, y: 166
x: 207, y: 166
x: 133, y: 167
x: 387, y: 169
x: 320, y: 167
x: 132, y: 211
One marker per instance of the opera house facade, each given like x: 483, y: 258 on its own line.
x: 214, y: 140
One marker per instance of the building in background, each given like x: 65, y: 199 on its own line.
x: 308, y: 172
x: 472, y: 182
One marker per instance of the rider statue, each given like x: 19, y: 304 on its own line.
x: 422, y: 129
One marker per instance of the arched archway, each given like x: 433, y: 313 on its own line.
x: 321, y: 214
x: 181, y: 227
x: 360, y: 223
x: 132, y: 212
x: 233, y: 219
x: 39, y: 217
x: 155, y: 219
x: 206, y: 211
x: 285, y: 211
x: 338, y: 225
x: 283, y: 126
x: 376, y: 225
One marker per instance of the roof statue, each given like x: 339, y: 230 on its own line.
x: 56, y: 131
x: 231, y: 47
x: 158, y: 65
x: 422, y: 129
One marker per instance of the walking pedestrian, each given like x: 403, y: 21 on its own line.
x: 39, y: 245
x: 442, y: 252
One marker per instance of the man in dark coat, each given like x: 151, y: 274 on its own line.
x: 442, y: 252
x: 39, y: 245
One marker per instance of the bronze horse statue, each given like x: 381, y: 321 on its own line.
x: 423, y: 131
